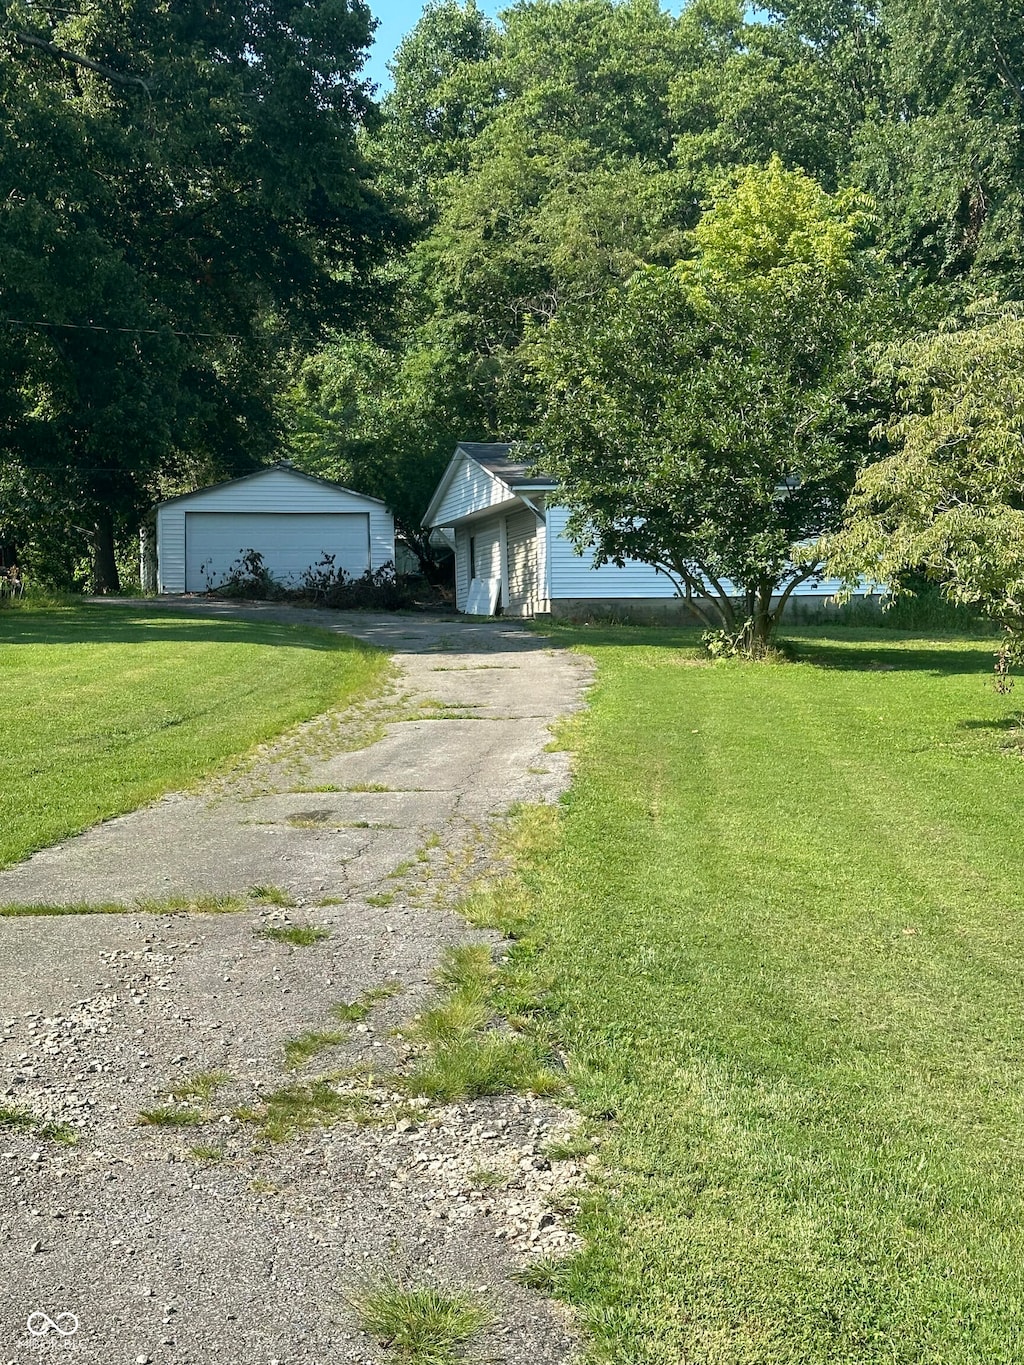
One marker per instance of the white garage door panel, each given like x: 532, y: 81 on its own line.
x: 290, y: 543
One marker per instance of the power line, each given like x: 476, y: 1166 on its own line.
x: 135, y: 331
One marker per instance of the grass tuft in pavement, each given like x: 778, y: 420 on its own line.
x: 466, y: 1049
x: 355, y: 1011
x: 202, y: 1086
x: 298, y: 1051
x: 173, y: 905
x: 301, y: 1106
x: 271, y: 895
x: 299, y: 935
x: 172, y: 1116
x: 16, y: 1119
x: 421, y: 1326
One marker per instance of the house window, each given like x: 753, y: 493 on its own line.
x: 472, y: 558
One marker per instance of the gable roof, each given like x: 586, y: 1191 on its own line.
x: 495, y: 458
x: 281, y: 467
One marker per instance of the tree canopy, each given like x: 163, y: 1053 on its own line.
x: 186, y: 202
x: 700, y: 418
x: 948, y: 496
x: 551, y: 155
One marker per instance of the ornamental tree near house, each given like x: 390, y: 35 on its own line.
x: 948, y: 496
x: 702, y: 418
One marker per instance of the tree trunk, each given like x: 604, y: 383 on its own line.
x: 104, y: 564
x: 762, y: 622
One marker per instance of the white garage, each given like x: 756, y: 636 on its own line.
x: 292, y: 520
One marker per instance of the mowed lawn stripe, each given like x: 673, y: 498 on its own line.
x: 785, y: 910
x: 105, y: 708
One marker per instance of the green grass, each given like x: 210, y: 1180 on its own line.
x: 302, y: 1049
x: 303, y: 1105
x: 355, y: 1011
x: 271, y: 895
x: 171, y: 905
x: 782, y: 906
x: 202, y: 1086
x: 172, y: 1116
x: 421, y: 1326
x: 107, y: 707
x: 299, y: 935
x: 466, y: 1047
x: 14, y: 1118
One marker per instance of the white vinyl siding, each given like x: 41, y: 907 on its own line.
x: 471, y: 489
x: 461, y: 568
x: 574, y: 576
x: 485, y: 555
x: 278, y: 493
x: 480, y: 544
x: 525, y: 590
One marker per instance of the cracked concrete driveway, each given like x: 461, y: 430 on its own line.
x: 202, y: 1243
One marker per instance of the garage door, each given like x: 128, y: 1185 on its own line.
x: 290, y: 543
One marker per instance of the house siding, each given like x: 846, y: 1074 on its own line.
x: 472, y: 489
x: 461, y: 568
x: 274, y: 491
x: 573, y: 576
x: 525, y: 592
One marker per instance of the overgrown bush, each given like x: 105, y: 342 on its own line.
x: 326, y: 585
x: 249, y: 577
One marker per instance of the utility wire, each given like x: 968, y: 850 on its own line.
x: 138, y: 331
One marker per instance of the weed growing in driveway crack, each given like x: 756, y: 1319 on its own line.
x: 204, y: 1151
x: 302, y: 1105
x: 357, y: 1010
x: 23, y: 1120
x: 298, y: 1051
x: 465, y: 1049
x: 173, y: 905
x: 421, y: 1326
x: 172, y: 1116
x: 271, y: 895
x: 202, y: 1086
x: 541, y: 1275
x: 300, y: 935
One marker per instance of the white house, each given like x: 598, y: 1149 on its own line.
x: 507, y: 529
x: 292, y: 519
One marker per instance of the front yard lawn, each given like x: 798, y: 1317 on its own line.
x: 103, y: 708
x: 784, y: 909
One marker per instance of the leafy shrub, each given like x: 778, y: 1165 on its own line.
x: 326, y: 585
x: 248, y: 577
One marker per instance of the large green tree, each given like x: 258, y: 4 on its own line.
x: 184, y: 202
x: 701, y: 419
x: 947, y: 494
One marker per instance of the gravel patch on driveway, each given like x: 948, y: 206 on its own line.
x: 205, y: 1241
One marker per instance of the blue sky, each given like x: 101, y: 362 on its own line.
x: 394, y: 19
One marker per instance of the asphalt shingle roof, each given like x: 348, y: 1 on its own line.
x: 494, y: 457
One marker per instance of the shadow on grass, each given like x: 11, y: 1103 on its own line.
x: 850, y: 648
x: 208, y: 620
x: 92, y: 625
x: 881, y: 651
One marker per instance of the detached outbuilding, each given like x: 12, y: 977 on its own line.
x: 505, y: 524
x: 292, y: 520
